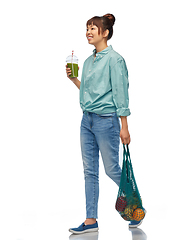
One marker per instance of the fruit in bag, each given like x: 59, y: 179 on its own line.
x: 128, y: 212
x: 121, y: 204
x: 129, y: 203
x: 138, y: 214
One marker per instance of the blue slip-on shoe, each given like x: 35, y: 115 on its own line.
x: 85, y: 228
x: 134, y: 224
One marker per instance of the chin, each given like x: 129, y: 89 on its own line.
x: 90, y: 42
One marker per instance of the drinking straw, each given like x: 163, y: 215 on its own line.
x: 72, y: 62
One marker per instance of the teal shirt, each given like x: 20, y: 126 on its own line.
x: 104, y: 84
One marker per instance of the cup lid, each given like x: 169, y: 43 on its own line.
x: 70, y: 59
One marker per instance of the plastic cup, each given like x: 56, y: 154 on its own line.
x: 72, y: 63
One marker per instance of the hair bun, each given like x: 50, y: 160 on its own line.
x: 111, y: 18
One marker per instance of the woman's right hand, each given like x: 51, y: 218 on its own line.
x: 68, y: 71
x: 74, y: 79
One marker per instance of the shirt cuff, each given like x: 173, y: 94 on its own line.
x: 123, y: 112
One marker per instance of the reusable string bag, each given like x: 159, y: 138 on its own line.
x: 129, y: 203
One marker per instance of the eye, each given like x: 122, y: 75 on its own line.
x: 92, y: 28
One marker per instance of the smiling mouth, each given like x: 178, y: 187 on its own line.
x: 89, y: 37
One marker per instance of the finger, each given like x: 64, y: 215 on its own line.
x: 68, y: 75
x: 122, y: 140
x: 68, y: 71
x: 128, y: 141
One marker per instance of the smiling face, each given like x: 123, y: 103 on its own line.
x: 94, y: 36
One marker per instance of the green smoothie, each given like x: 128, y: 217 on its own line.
x: 74, y: 69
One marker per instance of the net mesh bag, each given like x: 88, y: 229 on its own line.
x: 129, y: 203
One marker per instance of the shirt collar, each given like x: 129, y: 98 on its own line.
x: 103, y: 52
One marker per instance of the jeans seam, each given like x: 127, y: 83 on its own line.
x: 113, y: 122
x: 94, y: 172
x: 117, y: 123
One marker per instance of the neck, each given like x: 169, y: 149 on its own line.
x: 101, y: 46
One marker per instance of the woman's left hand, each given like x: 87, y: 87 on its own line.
x: 125, y: 136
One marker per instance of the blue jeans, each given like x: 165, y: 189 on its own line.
x: 99, y: 133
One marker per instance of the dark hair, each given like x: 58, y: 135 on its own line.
x: 105, y: 22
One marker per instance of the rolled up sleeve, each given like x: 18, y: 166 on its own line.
x: 120, y: 85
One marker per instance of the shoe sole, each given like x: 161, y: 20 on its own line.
x: 85, y: 231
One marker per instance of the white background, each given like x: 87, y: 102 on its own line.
x: 41, y: 172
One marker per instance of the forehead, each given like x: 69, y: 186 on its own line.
x: 95, y: 21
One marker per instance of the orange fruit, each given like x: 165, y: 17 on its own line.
x: 138, y: 214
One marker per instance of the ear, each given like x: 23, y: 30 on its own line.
x: 106, y: 33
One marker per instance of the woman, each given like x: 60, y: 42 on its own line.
x: 103, y: 99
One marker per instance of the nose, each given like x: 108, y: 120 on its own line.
x: 88, y: 31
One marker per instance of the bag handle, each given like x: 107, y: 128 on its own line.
x: 127, y: 153
x: 127, y: 161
